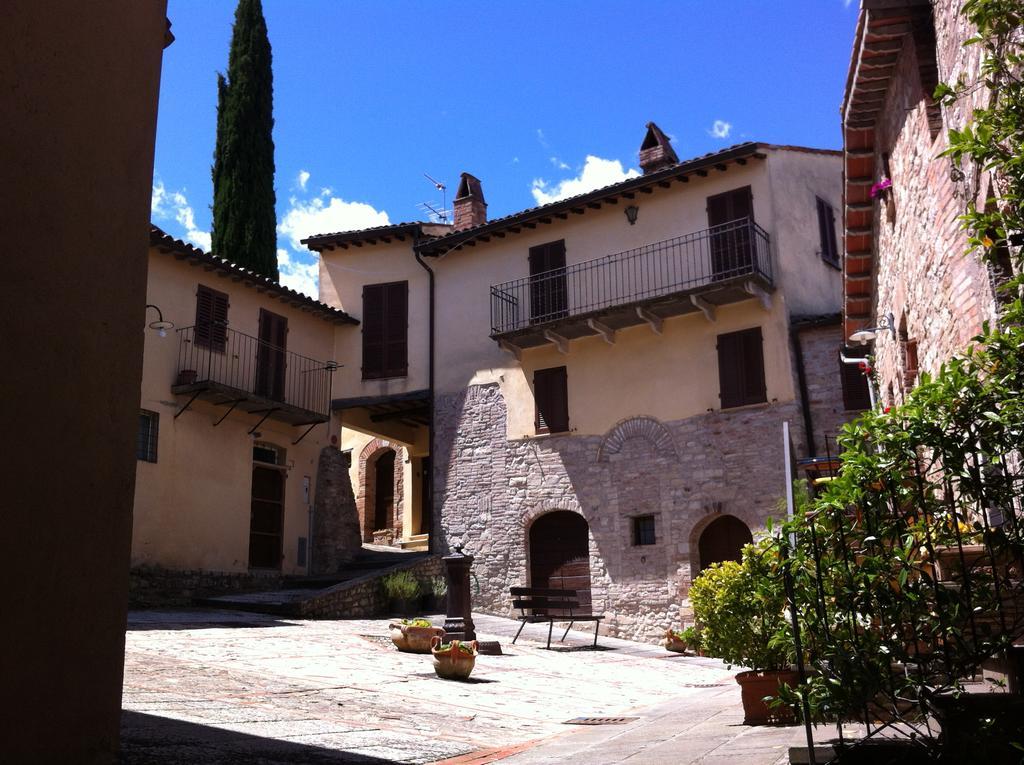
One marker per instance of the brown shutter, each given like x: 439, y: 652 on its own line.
x: 385, y: 330
x: 551, y: 394
x: 741, y: 368
x: 211, y: 318
x: 827, y: 231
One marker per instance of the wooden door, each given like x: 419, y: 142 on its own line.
x: 548, y: 296
x: 729, y: 218
x: 723, y: 540
x: 266, y: 518
x: 560, y: 554
x: 270, y: 357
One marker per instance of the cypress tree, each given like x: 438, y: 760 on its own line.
x: 244, y: 218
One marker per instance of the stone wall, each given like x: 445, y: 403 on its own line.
x: 490, y: 490
x: 336, y: 533
x: 820, y: 346
x: 938, y: 294
x: 158, y: 587
x: 362, y: 598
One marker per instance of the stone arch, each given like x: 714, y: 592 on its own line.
x: 532, y: 513
x: 366, y: 499
x: 648, y: 428
x: 716, y: 515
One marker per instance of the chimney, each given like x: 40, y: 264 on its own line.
x: 656, y: 152
x: 469, y: 204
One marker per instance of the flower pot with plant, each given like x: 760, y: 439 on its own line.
x: 401, y: 590
x: 454, y: 660
x: 680, y: 641
x: 413, y: 635
x: 740, y: 608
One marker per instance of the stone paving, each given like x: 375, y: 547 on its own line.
x: 231, y: 687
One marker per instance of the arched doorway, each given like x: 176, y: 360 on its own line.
x: 723, y: 540
x: 560, y: 554
x: 384, y: 491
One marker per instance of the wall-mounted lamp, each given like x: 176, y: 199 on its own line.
x: 160, y: 325
x: 631, y: 212
x: 865, y: 336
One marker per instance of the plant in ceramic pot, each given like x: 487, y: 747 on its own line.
x: 401, y: 590
x: 741, y: 609
x: 454, y: 660
x: 683, y: 640
x: 413, y: 635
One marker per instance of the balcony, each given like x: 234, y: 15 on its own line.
x: 696, y: 272
x: 238, y: 371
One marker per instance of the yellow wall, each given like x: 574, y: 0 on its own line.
x: 192, y: 505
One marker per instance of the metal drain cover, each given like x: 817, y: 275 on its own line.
x: 600, y: 720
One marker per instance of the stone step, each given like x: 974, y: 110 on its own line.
x: 417, y: 542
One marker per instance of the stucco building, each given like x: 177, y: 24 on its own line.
x: 906, y: 268
x: 591, y: 392
x: 237, y: 476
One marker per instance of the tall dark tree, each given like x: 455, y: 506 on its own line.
x: 244, y: 218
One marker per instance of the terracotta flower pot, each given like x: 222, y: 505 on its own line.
x: 411, y: 639
x: 754, y: 686
x: 675, y: 643
x: 453, y: 663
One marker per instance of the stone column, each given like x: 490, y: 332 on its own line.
x: 336, y: 534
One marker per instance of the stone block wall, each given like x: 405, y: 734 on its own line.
x: 336, y: 534
x: 687, y: 473
x: 361, y: 598
x: 158, y: 587
x: 820, y: 346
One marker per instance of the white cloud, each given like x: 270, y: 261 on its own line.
x: 324, y: 215
x: 543, y: 140
x: 720, y: 129
x: 298, y: 272
x: 302, y: 178
x: 559, y: 163
x: 165, y: 205
x: 596, y: 173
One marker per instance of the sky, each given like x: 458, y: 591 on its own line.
x: 539, y: 100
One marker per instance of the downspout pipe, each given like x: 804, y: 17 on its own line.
x: 431, y: 536
x: 801, y: 377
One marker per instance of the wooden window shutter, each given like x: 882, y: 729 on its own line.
x: 551, y: 394
x: 855, y: 387
x: 211, y: 318
x: 741, y: 368
x: 827, y: 232
x: 385, y: 330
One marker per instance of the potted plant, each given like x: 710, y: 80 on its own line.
x: 740, y: 607
x: 454, y: 660
x: 682, y: 640
x: 434, y: 591
x: 401, y: 590
x: 413, y: 635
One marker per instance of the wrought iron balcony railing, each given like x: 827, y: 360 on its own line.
x: 708, y: 259
x: 236, y: 369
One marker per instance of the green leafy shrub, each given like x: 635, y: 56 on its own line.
x: 740, y: 608
x: 400, y: 585
x: 417, y: 623
x: 436, y: 586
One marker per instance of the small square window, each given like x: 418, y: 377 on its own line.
x: 145, y: 443
x: 643, y: 530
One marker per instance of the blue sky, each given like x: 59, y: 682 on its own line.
x: 537, y: 99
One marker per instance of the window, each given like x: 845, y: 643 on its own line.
x: 385, y: 330
x: 266, y: 453
x: 548, y: 298
x: 551, y: 395
x: 827, y: 232
x: 145, y: 443
x: 643, y: 530
x: 211, y: 319
x: 855, y: 387
x: 729, y: 218
x: 741, y: 368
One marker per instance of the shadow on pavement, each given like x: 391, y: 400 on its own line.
x: 147, y: 739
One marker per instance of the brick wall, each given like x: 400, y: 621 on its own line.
x: 820, y: 346
x: 367, y: 489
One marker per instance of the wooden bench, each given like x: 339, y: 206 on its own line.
x: 538, y: 605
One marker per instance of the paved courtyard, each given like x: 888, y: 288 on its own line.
x: 232, y: 687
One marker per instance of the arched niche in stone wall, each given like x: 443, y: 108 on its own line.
x: 647, y: 428
x: 367, y: 487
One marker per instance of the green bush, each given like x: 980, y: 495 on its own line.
x: 400, y: 585
x: 740, y: 608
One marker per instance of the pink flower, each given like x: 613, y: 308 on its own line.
x: 880, y: 188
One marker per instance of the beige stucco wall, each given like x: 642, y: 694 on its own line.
x: 192, y: 506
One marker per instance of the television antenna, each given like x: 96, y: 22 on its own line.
x: 441, y: 215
